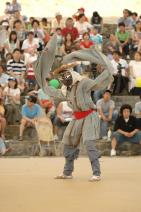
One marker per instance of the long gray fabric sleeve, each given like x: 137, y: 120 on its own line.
x: 94, y: 56
x: 55, y: 93
x: 45, y: 60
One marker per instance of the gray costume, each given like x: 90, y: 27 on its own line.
x: 79, y: 98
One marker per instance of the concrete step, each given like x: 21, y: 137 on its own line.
x: 30, y: 148
x: 120, y: 100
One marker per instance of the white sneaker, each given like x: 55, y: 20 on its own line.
x: 113, y: 152
x: 63, y: 177
x: 95, y: 178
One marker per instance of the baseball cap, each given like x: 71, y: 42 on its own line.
x: 31, y: 98
x: 58, y: 14
x: 12, y: 78
x: 82, y: 9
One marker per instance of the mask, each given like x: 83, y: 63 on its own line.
x: 66, y: 78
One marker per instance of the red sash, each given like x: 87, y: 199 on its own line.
x: 82, y: 114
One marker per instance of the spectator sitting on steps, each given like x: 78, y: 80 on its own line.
x: 30, y: 113
x: 126, y: 129
x: 105, y: 107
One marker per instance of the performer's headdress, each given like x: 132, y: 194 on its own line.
x: 64, y: 68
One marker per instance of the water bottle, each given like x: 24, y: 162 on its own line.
x: 109, y: 134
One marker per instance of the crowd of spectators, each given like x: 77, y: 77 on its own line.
x: 21, y: 40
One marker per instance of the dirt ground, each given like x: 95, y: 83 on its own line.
x: 27, y: 185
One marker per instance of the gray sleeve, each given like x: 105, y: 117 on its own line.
x: 55, y: 93
x: 100, y: 83
x: 137, y: 108
x: 94, y: 56
x: 98, y: 104
x: 112, y: 104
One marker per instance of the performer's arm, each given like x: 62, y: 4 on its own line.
x: 101, y: 82
x: 55, y: 93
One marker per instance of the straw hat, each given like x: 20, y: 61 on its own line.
x: 64, y: 67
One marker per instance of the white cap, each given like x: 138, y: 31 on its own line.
x: 57, y: 14
x: 5, y: 23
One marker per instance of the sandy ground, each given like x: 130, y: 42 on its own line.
x: 27, y: 185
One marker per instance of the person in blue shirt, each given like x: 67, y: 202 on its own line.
x: 30, y: 113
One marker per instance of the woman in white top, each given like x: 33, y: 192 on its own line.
x: 136, y: 36
x: 12, y: 42
x: 135, y: 69
x: 12, y: 101
x: 81, y: 25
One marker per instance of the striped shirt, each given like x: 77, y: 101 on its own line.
x: 17, y: 67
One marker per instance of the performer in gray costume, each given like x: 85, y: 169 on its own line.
x: 77, y: 91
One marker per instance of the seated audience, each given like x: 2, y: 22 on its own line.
x: 112, y: 45
x: 16, y: 67
x: 30, y: 113
x: 21, y: 33
x: 123, y: 39
x: 57, y: 22
x: 82, y: 25
x: 63, y: 115
x: 120, y: 74
x: 12, y: 101
x: 126, y: 129
x: 134, y: 18
x: 86, y: 42
x: 3, y: 76
x: 38, y: 32
x: 16, y: 6
x: 96, y: 38
x: 97, y: 21
x: 12, y: 42
x: 45, y: 26
x: 69, y: 28
x: 126, y: 19
x: 105, y: 107
x: 59, y: 41
x: 136, y: 36
x: 135, y: 74
x: 67, y: 44
x: 79, y: 12
x: 30, y: 46
x: 16, y: 16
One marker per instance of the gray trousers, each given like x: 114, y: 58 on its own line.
x: 72, y: 153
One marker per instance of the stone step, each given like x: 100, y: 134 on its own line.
x: 30, y: 148
x: 120, y: 100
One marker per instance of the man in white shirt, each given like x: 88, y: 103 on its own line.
x: 57, y: 22
x: 120, y: 73
x: 30, y: 46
